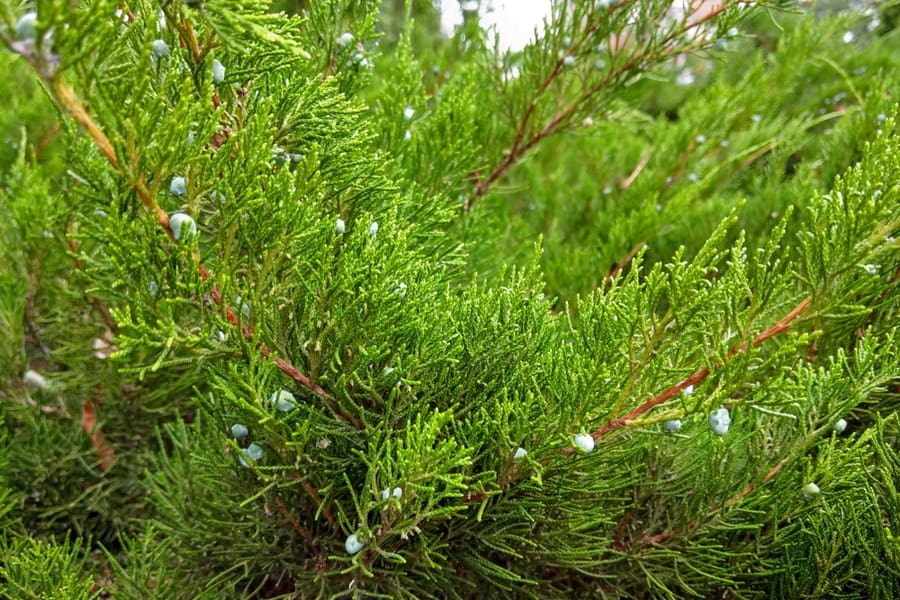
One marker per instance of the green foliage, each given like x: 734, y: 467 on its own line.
x: 36, y: 570
x: 423, y: 273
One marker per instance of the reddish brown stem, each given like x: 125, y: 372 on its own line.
x: 104, y: 312
x: 318, y: 500
x: 297, y: 525
x: 284, y: 366
x: 752, y: 486
x: 652, y: 540
x: 105, y: 452
x: 66, y: 98
x: 51, y: 135
x: 629, y: 181
x: 621, y: 264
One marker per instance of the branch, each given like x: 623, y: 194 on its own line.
x: 621, y: 264
x: 70, y: 104
x: 652, y: 540
x: 297, y: 525
x: 519, y: 147
x: 66, y: 99
x: 105, y: 452
x: 776, y: 329
x: 318, y: 500
x: 628, y: 181
x: 513, y: 475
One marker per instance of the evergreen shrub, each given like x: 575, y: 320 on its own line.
x: 330, y: 304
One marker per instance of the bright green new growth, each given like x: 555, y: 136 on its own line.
x: 554, y: 249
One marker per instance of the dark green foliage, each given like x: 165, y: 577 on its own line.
x: 423, y: 271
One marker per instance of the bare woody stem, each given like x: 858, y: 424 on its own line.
x: 622, y: 263
x: 66, y: 99
x: 297, y: 525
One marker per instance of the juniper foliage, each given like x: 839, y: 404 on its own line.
x: 329, y: 305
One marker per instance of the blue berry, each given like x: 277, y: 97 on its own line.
x: 584, y: 441
x: 253, y: 452
x: 397, y: 493
x: 345, y: 40
x: 183, y: 226
x: 360, y: 59
x: 672, y: 426
x: 25, y: 26
x: 810, y: 491
x: 239, y: 431
x: 283, y: 400
x: 159, y: 48
x: 353, y: 544
x: 719, y: 420
x: 218, y: 71
x: 178, y: 186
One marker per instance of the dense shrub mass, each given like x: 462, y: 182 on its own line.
x: 331, y: 304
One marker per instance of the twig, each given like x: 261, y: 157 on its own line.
x: 481, y: 187
x: 297, y: 525
x: 104, y: 312
x: 621, y: 264
x: 628, y: 181
x: 65, y: 97
x: 51, y: 135
x: 105, y: 452
x: 192, y: 41
x: 283, y: 365
x: 652, y: 540
x: 752, y: 486
x: 319, y: 506
x: 30, y: 310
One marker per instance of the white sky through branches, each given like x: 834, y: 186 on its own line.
x: 515, y: 20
